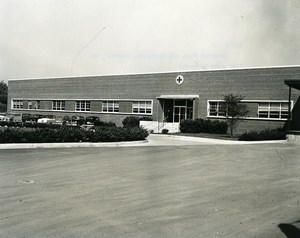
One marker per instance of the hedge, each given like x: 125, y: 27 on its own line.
x: 203, y: 126
x: 105, y: 124
x: 268, y: 134
x: 71, y: 134
x: 134, y: 121
x: 46, y: 125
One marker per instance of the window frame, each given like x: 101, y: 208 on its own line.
x: 142, y: 107
x: 219, y: 113
x: 17, y: 104
x: 271, y: 111
x: 58, y: 105
x: 29, y: 105
x: 110, y: 106
x: 257, y: 115
x: 84, y: 105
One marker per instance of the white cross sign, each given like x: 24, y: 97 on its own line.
x: 179, y: 79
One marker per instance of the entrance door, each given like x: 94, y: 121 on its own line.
x: 183, y: 109
x: 179, y: 113
x: 175, y: 110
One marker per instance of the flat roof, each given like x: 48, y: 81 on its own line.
x: 163, y: 72
x: 294, y: 83
x: 177, y: 96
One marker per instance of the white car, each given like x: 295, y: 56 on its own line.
x: 4, y: 118
x: 46, y: 120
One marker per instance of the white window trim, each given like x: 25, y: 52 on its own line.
x: 29, y: 104
x: 20, y: 104
x: 60, y: 105
x: 129, y: 100
x: 139, y: 107
x: 251, y: 101
x: 115, y: 106
x: 80, y: 109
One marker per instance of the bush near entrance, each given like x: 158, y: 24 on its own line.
x: 203, y: 126
x: 71, y: 134
x: 274, y: 134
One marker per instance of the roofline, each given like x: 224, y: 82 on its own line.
x: 166, y: 72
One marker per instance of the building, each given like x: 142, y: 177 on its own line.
x: 166, y: 97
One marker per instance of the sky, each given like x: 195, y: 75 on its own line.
x: 55, y: 38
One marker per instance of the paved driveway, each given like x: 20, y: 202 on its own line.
x: 151, y: 191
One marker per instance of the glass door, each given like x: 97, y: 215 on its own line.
x: 183, y: 109
x: 179, y: 113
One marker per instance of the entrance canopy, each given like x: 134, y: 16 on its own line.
x: 293, y: 83
x: 177, y: 107
x: 178, y: 96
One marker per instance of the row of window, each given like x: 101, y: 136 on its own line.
x: 270, y: 110
x: 139, y: 107
x: 276, y: 110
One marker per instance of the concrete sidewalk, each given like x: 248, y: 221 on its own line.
x: 152, y: 140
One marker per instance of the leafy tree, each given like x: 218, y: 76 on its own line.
x: 235, y: 110
x: 3, y: 96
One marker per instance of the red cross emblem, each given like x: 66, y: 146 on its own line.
x: 179, y: 79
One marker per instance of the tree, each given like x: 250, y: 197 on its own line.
x: 235, y: 110
x: 3, y: 96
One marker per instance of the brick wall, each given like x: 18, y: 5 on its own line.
x: 254, y: 84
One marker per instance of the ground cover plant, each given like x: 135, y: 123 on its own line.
x: 268, y: 134
x: 203, y: 126
x: 71, y: 134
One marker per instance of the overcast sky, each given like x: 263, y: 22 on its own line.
x: 53, y: 38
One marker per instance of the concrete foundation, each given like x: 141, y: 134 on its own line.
x: 157, y: 127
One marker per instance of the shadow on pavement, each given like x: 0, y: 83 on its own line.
x: 290, y: 230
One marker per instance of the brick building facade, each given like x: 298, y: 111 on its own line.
x: 166, y: 97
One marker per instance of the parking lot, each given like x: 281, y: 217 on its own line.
x: 175, y: 190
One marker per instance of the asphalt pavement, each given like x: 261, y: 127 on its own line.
x: 175, y: 187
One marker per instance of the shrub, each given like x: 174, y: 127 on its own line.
x: 104, y: 124
x: 203, y: 126
x: 145, y: 119
x: 164, y: 131
x: 134, y: 121
x: 71, y: 134
x: 273, y: 134
x: 131, y: 122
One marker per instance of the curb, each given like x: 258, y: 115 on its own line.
x: 225, y: 142
x: 70, y: 145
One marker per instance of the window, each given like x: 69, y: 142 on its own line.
x: 216, y: 109
x: 29, y: 105
x: 273, y: 110
x: 143, y: 107
x: 110, y: 106
x: 37, y: 105
x: 83, y: 106
x: 58, y: 105
x: 17, y: 104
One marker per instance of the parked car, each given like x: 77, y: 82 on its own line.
x: 46, y: 120
x: 78, y: 119
x: 92, y: 119
x: 17, y: 118
x: 8, y: 117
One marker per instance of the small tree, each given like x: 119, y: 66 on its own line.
x: 234, y: 110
